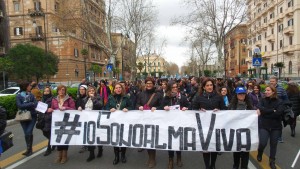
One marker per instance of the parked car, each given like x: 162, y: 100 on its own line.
x: 74, y: 85
x: 12, y: 84
x: 10, y: 91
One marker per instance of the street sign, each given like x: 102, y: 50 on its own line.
x: 109, y: 67
x: 256, y: 61
x: 256, y: 50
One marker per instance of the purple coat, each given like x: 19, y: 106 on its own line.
x: 69, y: 103
x: 255, y: 99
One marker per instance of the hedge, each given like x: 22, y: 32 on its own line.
x: 9, y: 102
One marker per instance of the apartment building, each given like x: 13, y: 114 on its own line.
x: 125, y: 54
x: 236, y: 51
x: 40, y: 23
x: 153, y: 64
x: 272, y: 27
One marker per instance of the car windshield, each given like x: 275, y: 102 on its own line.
x: 8, y: 91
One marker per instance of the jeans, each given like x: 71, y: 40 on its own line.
x: 28, y: 126
x: 264, y: 135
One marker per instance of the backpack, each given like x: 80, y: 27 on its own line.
x: 288, y: 114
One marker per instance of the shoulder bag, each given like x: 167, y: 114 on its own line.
x: 23, y: 115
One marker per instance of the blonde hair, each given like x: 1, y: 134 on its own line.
x: 122, y: 87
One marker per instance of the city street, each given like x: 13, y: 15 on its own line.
x: 286, y: 154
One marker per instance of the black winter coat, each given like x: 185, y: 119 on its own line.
x: 80, y: 102
x: 208, y: 101
x: 97, y: 103
x: 168, y: 101
x: 268, y: 118
x: 295, y: 100
x: 2, y: 120
x: 144, y: 96
x: 47, y: 115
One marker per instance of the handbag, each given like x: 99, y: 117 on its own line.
x: 146, y: 106
x: 23, y: 115
x: 6, y: 140
x: 40, y: 124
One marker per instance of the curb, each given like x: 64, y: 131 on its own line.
x: 11, y: 122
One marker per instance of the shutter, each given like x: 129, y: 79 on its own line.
x: 20, y: 31
x: 35, y: 5
x: 15, y: 31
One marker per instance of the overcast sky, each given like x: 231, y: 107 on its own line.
x: 176, y: 50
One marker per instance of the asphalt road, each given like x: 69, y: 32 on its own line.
x: 286, y: 154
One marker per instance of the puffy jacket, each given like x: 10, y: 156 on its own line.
x: 295, y: 100
x: 208, y: 101
x: 26, y: 102
x: 270, y: 119
x: 144, y: 96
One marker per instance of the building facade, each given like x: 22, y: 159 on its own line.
x: 124, y: 48
x: 272, y: 27
x: 40, y: 22
x: 235, y: 51
x: 154, y: 65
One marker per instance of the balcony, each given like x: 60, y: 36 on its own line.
x: 37, y: 36
x: 271, y: 22
x: 280, y: 17
x: 264, y: 26
x: 258, y: 43
x: 290, y: 11
x: 271, y: 38
x: 266, y: 55
x: 258, y: 2
x: 288, y: 30
x: 2, y: 50
x: 36, y: 12
x: 289, y: 50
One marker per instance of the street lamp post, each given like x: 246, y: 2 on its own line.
x: 241, y: 44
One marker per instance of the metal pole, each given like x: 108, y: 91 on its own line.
x: 4, y: 80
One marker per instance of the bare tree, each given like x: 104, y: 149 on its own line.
x: 214, y: 18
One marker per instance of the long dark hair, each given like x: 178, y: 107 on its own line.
x: 201, y: 88
x: 234, y: 101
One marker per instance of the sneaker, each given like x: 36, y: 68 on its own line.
x: 280, y: 140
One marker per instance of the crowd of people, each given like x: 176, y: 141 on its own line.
x: 192, y: 93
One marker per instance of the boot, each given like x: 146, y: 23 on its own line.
x: 152, y: 162
x: 64, y: 158
x: 292, y: 131
x: 100, y: 151
x: 179, y: 162
x: 259, y: 156
x: 53, y: 148
x: 59, y: 157
x: 91, y: 156
x: 48, y: 151
x: 272, y: 163
x: 171, y: 163
x: 117, y: 156
x: 28, y: 139
x: 123, y: 152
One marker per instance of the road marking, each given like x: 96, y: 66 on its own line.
x: 251, y: 166
x: 16, y: 157
x: 264, y: 164
x: 296, y: 159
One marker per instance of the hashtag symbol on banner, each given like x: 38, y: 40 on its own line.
x: 66, y: 123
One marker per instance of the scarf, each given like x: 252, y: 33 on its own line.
x: 46, y: 97
x: 103, y: 94
x: 226, y: 101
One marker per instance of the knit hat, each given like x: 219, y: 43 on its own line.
x: 84, y: 86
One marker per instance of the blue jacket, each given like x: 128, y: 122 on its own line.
x: 281, y: 93
x: 27, y: 102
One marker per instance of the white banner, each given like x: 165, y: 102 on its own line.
x: 230, y: 130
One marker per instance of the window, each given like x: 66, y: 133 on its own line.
x: 158, y: 63
x: 250, y: 53
x: 56, y: 6
x: 75, y: 52
x: 290, y: 3
x: 280, y: 44
x: 291, y: 40
x: 265, y: 48
x: 84, y: 35
x: 272, y: 46
x: 290, y: 22
x: 290, y: 67
x: 54, y: 29
x: 272, y: 31
x: 265, y: 34
x: 17, y: 6
x: 37, y: 5
x: 265, y: 5
x: 265, y: 20
x: 280, y: 27
x: 259, y: 37
x: 39, y: 31
x: 18, y: 31
x: 272, y: 15
x: 280, y: 9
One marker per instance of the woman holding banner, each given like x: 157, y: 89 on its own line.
x: 119, y: 101
x: 174, y: 98
x: 149, y: 100
x: 240, y: 101
x: 62, y: 102
x: 270, y: 110
x: 208, y: 99
x: 92, y: 102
